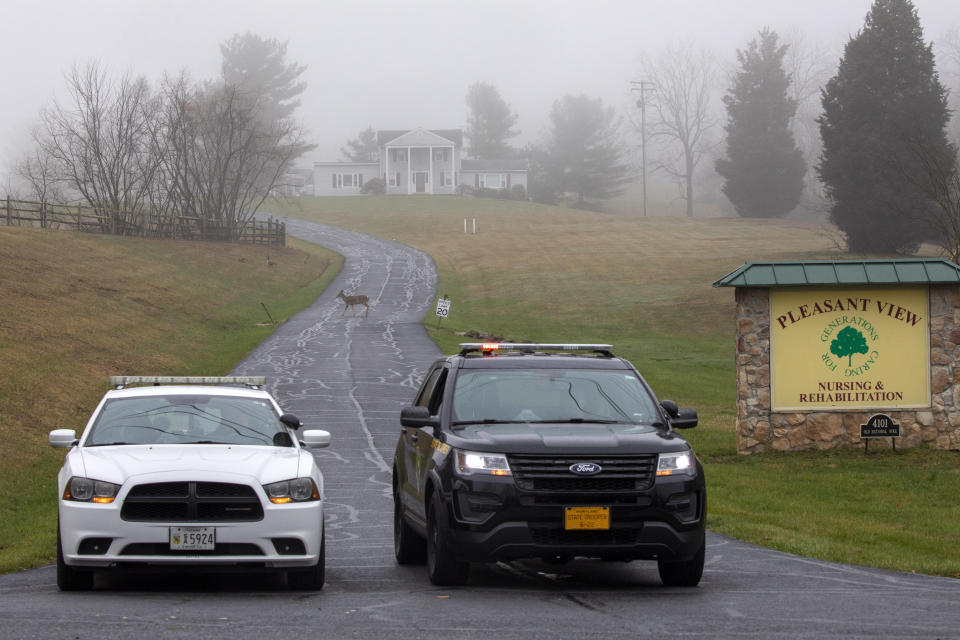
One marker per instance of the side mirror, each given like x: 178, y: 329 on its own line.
x: 291, y: 421
x: 417, y: 417
x: 316, y: 438
x: 680, y: 418
x: 64, y: 438
x: 685, y: 419
x: 670, y: 407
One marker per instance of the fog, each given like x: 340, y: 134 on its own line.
x: 394, y: 65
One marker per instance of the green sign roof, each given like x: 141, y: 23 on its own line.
x: 843, y: 272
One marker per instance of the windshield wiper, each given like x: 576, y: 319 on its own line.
x: 204, y: 442
x: 106, y: 444
x: 461, y: 423
x: 577, y: 421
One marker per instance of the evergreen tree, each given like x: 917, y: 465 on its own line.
x: 885, y: 102
x: 259, y: 68
x: 764, y: 169
x: 583, y: 152
x: 363, y: 148
x: 490, y: 123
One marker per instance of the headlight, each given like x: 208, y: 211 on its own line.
x: 87, y: 490
x: 676, y: 464
x: 298, y: 490
x: 471, y: 462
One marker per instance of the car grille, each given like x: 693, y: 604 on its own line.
x: 553, y: 537
x: 552, y: 473
x: 192, y: 502
x: 163, y: 549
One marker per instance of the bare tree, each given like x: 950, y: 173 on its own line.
x: 210, y: 151
x: 948, y: 57
x: 683, y: 84
x: 98, y: 142
x: 221, y: 155
x: 39, y: 171
x: 938, y: 177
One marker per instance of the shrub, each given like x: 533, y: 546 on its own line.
x: 374, y: 186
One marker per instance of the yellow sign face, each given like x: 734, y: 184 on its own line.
x: 850, y: 348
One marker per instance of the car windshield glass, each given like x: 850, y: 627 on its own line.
x: 552, y: 395
x: 182, y: 419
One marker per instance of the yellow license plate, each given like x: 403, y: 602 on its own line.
x: 586, y: 518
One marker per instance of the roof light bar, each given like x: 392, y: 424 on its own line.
x: 250, y: 381
x: 467, y: 347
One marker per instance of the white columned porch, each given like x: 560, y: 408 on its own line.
x: 430, y: 179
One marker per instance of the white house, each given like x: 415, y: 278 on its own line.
x: 418, y: 161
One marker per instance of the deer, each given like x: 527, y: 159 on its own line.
x: 349, y: 301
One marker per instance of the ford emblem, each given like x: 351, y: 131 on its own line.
x: 585, y: 468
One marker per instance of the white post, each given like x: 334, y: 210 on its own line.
x: 409, y: 170
x: 430, y: 174
x: 464, y: 225
x: 386, y: 171
x: 474, y: 225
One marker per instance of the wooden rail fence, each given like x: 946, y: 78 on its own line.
x: 75, y: 217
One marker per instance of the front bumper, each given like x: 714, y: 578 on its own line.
x: 491, y: 519
x: 95, y: 536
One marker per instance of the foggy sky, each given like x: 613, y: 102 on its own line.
x: 398, y: 65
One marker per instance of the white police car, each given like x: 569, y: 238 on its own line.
x: 190, y: 472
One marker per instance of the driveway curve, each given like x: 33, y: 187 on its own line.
x: 350, y: 374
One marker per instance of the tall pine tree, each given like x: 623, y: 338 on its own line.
x: 582, y: 153
x: 885, y: 103
x: 490, y: 123
x: 764, y: 169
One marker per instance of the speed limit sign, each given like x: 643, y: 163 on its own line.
x: 443, y: 307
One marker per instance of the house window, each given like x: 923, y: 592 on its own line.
x: 398, y: 155
x: 394, y: 179
x: 492, y: 181
x: 440, y: 155
x: 446, y: 179
x: 346, y: 180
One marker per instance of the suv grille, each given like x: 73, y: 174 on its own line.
x: 551, y: 473
x: 192, y: 502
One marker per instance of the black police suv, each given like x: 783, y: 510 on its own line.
x: 545, y: 451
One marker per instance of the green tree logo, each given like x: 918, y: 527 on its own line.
x: 848, y: 342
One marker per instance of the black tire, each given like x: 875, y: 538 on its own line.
x: 443, y: 567
x: 683, y: 574
x: 311, y: 579
x: 408, y: 546
x: 68, y: 578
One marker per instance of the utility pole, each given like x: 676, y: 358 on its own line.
x: 643, y: 86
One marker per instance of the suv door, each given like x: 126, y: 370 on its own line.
x: 418, y: 443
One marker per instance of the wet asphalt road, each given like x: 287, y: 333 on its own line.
x: 350, y: 375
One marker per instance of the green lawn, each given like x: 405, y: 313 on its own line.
x: 550, y: 274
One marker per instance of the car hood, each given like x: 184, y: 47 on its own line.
x: 117, y: 464
x: 567, y: 438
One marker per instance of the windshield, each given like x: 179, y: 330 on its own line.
x: 551, y: 395
x: 184, y: 419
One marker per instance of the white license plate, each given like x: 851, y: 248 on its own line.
x: 193, y: 538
